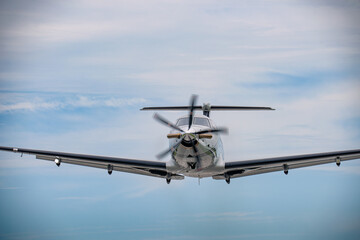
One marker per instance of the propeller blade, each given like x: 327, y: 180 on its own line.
x: 167, y: 151
x: 196, y: 154
x: 192, y: 107
x: 166, y: 122
x: 212, y: 130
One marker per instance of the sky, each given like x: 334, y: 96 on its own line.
x: 74, y: 74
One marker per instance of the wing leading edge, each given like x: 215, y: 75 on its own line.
x: 148, y: 168
x: 266, y: 165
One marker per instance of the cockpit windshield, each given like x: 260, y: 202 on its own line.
x: 202, y: 122
x: 182, y: 122
x: 197, y: 121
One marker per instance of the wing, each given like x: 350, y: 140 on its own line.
x: 149, y: 168
x: 266, y: 165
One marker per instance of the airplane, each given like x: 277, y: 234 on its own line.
x: 196, y: 150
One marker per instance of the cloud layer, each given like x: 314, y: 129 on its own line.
x: 39, y: 104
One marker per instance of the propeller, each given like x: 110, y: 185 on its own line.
x: 192, y: 106
x: 213, y: 130
x: 167, y: 151
x: 173, y: 126
x: 166, y: 122
x: 174, y: 146
x: 184, y: 134
x: 196, y: 154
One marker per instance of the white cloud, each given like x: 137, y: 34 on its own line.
x: 96, y: 19
x: 80, y: 102
x: 188, y: 79
x: 305, y: 123
x: 118, y: 102
x: 32, y: 106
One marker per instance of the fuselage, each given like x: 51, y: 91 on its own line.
x: 196, y: 155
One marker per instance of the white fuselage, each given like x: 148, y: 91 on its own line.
x: 209, y: 150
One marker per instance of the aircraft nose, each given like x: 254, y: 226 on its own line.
x: 188, y: 137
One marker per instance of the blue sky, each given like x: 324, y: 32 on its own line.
x: 73, y: 77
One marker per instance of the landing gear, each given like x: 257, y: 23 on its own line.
x: 192, y: 165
